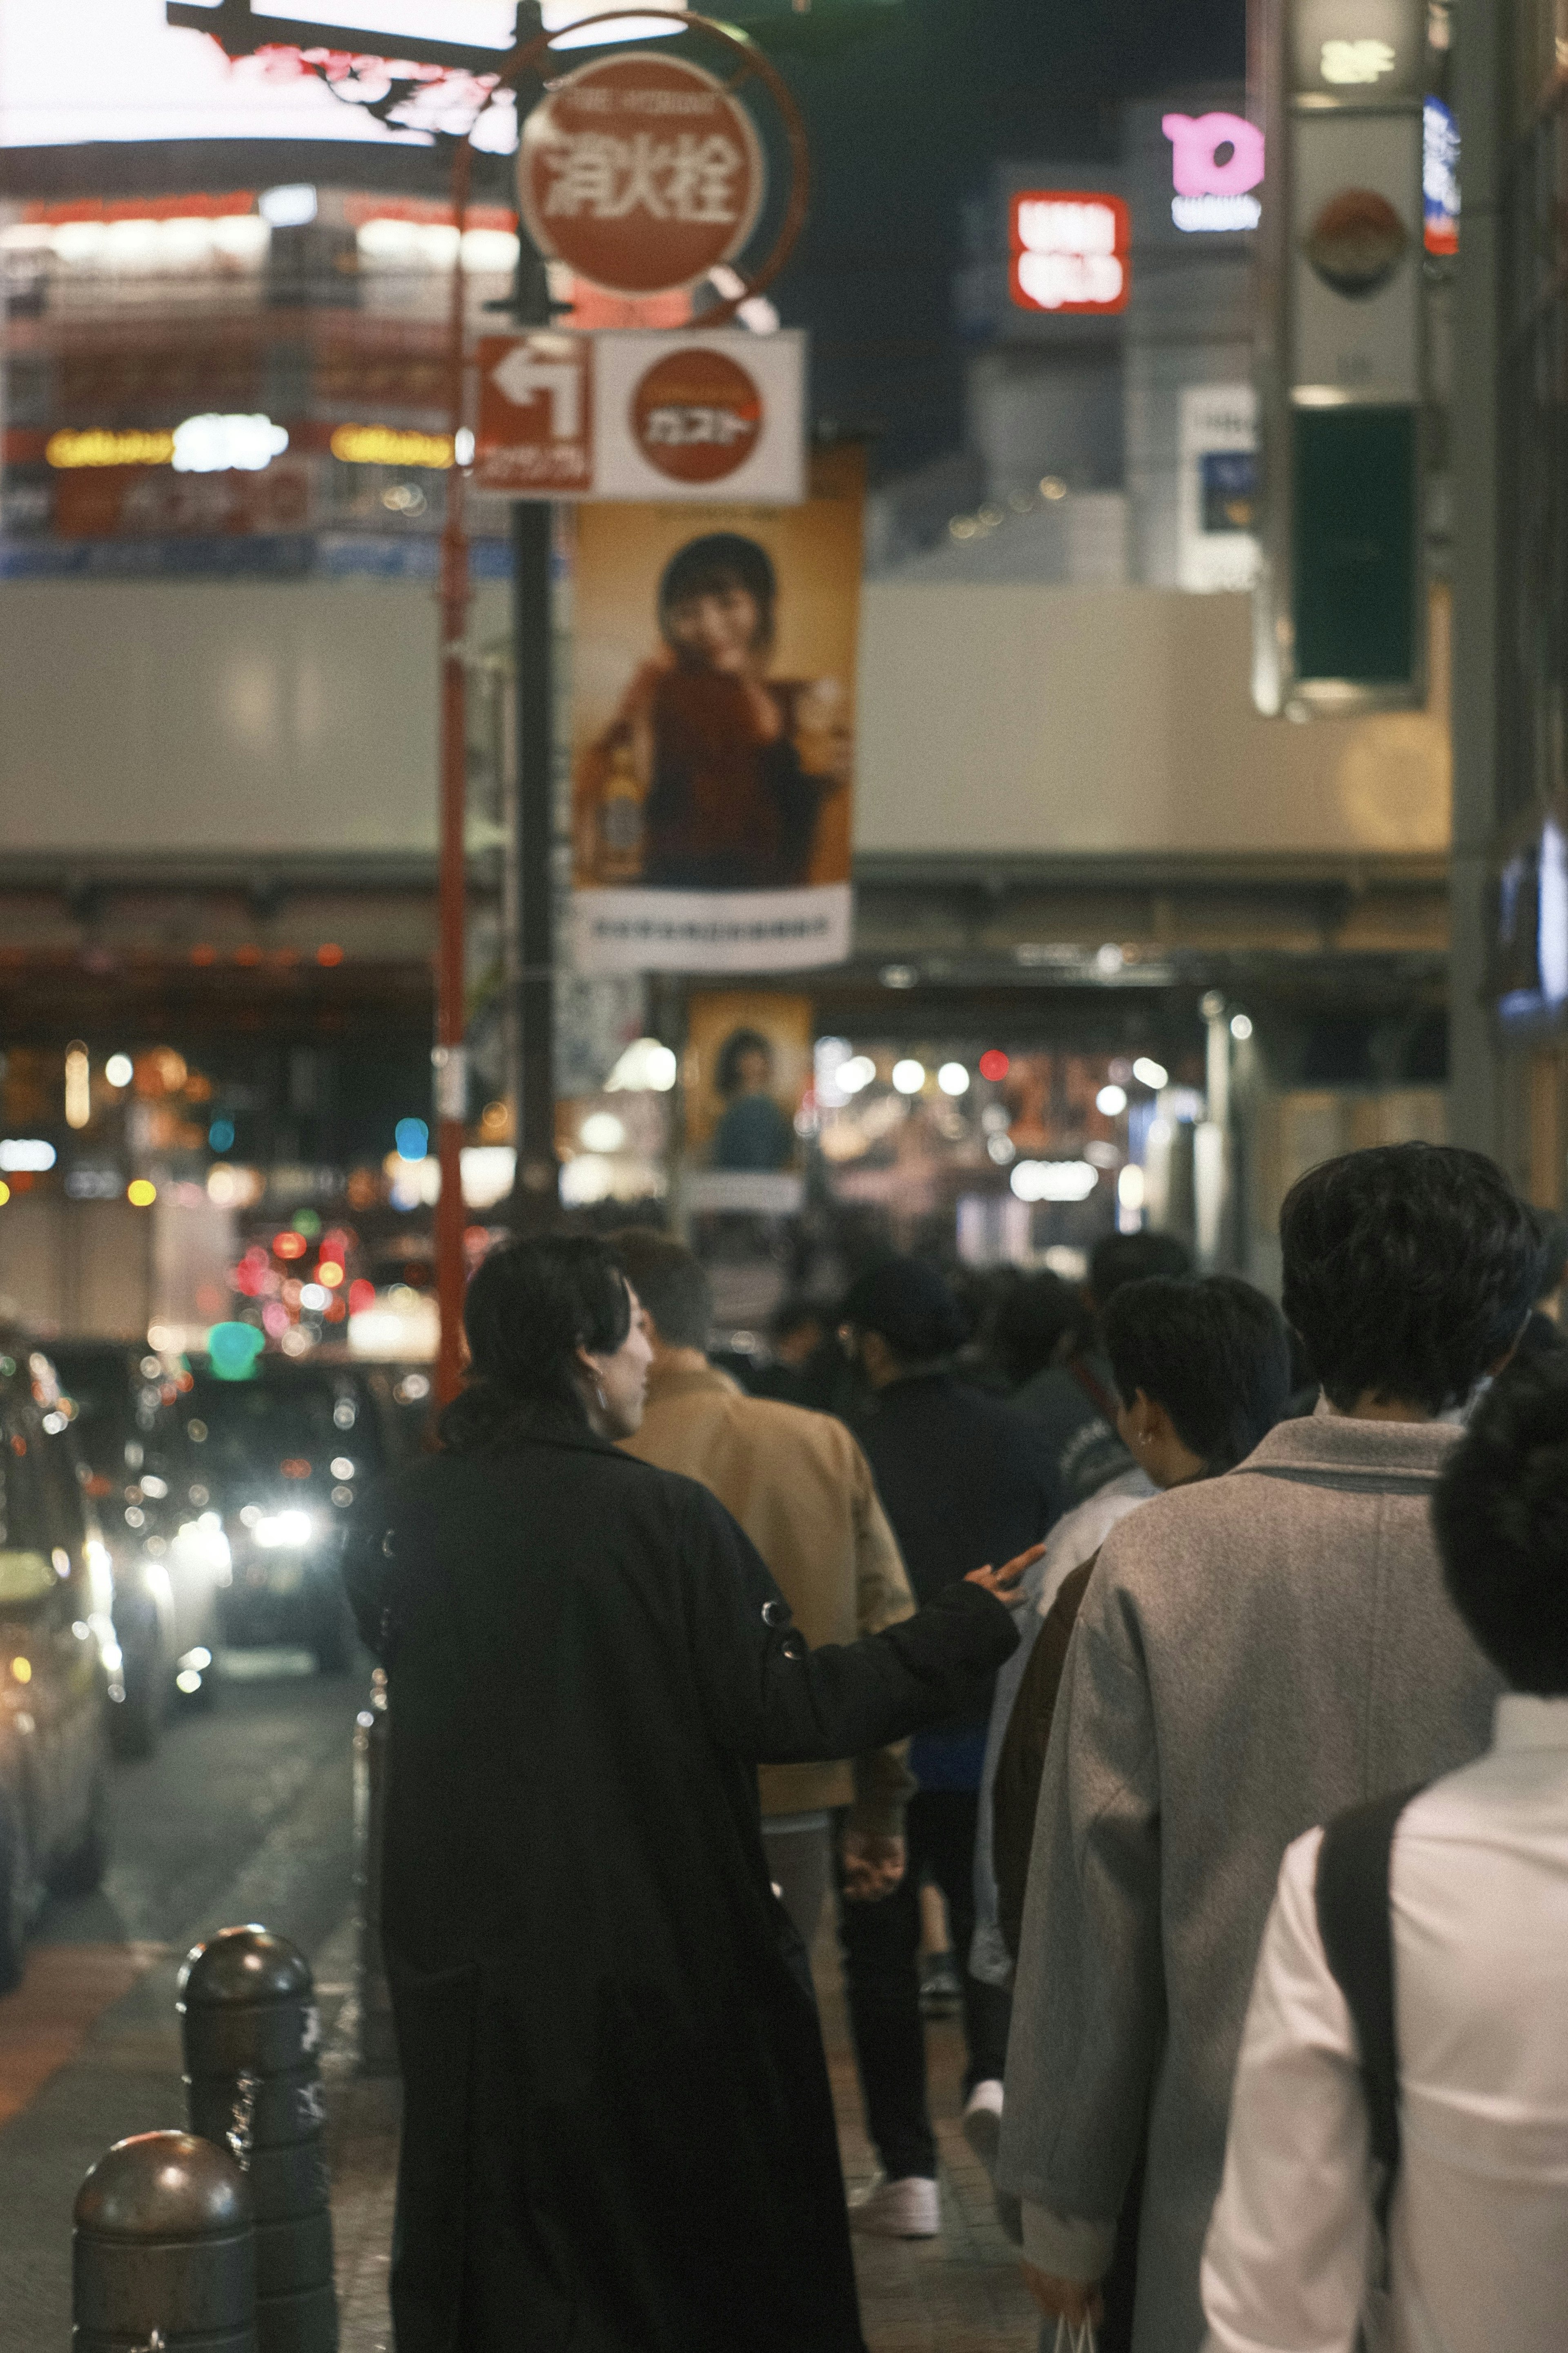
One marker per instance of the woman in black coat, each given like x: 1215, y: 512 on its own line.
x: 617, y: 2131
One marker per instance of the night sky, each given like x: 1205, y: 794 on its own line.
x: 906, y: 126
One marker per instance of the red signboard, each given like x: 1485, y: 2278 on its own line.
x: 536, y: 413
x: 641, y: 173
x: 696, y: 414
x: 1071, y: 251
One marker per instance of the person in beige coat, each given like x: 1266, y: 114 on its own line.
x: 802, y: 1491
x: 1253, y: 1654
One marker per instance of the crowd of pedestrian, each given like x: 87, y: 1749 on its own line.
x: 1209, y: 1658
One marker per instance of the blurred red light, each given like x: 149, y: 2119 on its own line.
x: 329, y: 953
x: 289, y: 1245
x: 362, y: 1294
x: 993, y: 1064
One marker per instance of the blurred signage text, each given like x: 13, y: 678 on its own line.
x: 1071, y: 251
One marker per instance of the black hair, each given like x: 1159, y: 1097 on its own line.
x: 720, y: 560
x: 670, y: 1282
x: 1501, y: 1516
x: 727, y: 1077
x: 1409, y: 1269
x: 1214, y: 1352
x: 530, y: 1307
x: 909, y: 1305
x: 1031, y: 1320
x: 1134, y: 1258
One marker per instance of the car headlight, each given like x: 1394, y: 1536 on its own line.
x: 275, y: 1529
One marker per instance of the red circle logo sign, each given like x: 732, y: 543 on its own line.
x: 641, y: 173
x: 697, y: 414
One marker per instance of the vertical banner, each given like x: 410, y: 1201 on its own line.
x: 713, y: 730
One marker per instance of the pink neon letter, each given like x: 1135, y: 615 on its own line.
x: 1194, y: 139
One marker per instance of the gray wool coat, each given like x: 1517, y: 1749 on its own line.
x: 1254, y: 1654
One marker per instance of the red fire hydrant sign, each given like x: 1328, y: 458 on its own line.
x: 641, y: 171
x: 624, y: 414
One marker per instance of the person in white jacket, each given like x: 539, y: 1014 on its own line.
x: 1477, y: 2253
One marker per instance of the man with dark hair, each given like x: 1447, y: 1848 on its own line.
x: 1463, y: 1902
x: 1075, y: 1402
x: 956, y: 1468
x: 1252, y: 1653
x: 799, y: 1486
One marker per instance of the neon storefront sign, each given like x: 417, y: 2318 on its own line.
x: 1216, y: 162
x: 1071, y: 251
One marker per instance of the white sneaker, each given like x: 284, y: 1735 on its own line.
x: 908, y: 2209
x: 982, y: 2121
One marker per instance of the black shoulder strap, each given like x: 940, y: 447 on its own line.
x: 1355, y: 1923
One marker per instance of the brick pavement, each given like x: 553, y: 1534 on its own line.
x: 960, y: 2293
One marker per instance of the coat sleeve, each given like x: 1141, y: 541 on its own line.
x: 1089, y: 2002
x: 883, y: 1782
x: 770, y: 1700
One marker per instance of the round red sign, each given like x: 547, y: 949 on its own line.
x: 696, y: 414
x: 641, y: 173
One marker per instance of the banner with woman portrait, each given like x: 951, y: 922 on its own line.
x: 713, y: 730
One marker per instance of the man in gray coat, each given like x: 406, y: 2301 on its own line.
x: 1254, y: 1654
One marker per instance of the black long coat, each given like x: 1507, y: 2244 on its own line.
x: 617, y: 2131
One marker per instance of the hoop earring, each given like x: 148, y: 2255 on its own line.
x: 599, y: 1393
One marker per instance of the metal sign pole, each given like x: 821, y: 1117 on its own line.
x: 450, y: 1054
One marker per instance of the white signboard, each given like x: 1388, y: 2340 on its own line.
x: 683, y: 417
x: 1216, y: 543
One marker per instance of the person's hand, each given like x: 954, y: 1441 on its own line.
x: 1003, y: 1581
x: 1074, y: 2301
x: 873, y: 1866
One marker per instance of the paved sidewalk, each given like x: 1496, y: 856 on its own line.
x: 960, y: 2293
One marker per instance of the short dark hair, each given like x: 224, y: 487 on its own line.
x: 792, y: 1316
x: 909, y: 1305
x: 1501, y: 1516
x: 1409, y: 1269
x: 1030, y: 1322
x: 1214, y: 1352
x: 727, y: 1076
x: 720, y: 560
x: 530, y: 1307
x: 1134, y: 1258
x: 671, y: 1283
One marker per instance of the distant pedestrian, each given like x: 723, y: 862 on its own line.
x: 1252, y: 1653
x: 1543, y: 1334
x: 1446, y: 1916
x: 616, y: 2130
x: 1074, y: 1400
x: 955, y: 1468
x: 802, y: 1490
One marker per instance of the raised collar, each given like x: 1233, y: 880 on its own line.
x: 1522, y: 1720
x: 664, y: 1387
x: 1333, y: 1451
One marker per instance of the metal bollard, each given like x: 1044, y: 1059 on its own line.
x: 251, y: 2033
x: 163, y: 2253
x: 378, y: 2041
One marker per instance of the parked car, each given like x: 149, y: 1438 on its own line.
x: 286, y: 1450
x: 168, y: 1553
x: 60, y: 1662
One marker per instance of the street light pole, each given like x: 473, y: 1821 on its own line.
x: 450, y: 1055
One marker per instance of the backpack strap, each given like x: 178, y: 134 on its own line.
x: 1356, y: 1924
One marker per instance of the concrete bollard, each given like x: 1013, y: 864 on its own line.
x: 163, y: 2253
x: 252, y: 2033
x: 378, y: 2041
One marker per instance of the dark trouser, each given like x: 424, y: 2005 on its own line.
x: 881, y: 1970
